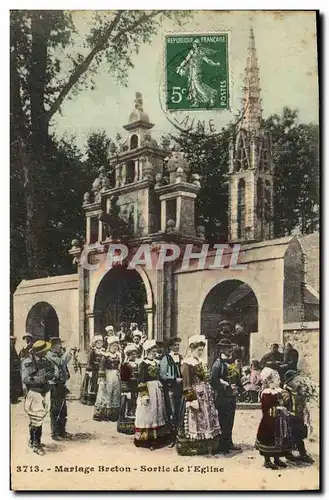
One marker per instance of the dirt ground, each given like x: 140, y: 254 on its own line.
x: 102, y: 459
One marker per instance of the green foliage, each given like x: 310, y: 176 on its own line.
x: 296, y: 162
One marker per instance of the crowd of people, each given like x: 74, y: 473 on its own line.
x: 164, y: 399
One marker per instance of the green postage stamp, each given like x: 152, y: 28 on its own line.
x: 197, y: 72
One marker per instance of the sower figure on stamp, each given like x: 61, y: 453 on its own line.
x: 171, y: 377
x: 226, y: 391
x: 37, y: 371
x: 58, y: 391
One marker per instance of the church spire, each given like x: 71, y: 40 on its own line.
x: 251, y: 101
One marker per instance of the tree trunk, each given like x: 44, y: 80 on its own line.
x: 34, y: 151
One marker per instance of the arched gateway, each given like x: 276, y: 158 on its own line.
x: 122, y: 295
x: 42, y: 321
x: 230, y: 310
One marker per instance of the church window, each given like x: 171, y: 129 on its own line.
x: 134, y: 142
x: 130, y: 172
x: 241, y: 208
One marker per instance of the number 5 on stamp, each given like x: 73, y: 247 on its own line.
x: 197, y: 72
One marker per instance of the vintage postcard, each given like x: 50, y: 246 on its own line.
x: 164, y: 250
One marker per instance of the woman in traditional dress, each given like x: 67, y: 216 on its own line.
x: 129, y: 375
x: 150, y: 423
x: 90, y: 382
x: 107, y: 405
x: 136, y: 338
x: 274, y: 437
x: 199, y: 428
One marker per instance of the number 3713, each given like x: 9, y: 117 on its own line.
x: 27, y: 468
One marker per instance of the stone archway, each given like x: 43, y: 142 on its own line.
x: 123, y: 295
x: 229, y: 304
x: 42, y: 321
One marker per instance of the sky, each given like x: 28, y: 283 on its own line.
x: 287, y: 55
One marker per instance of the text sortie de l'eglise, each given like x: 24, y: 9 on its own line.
x: 142, y: 468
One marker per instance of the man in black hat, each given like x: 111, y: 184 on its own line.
x: 226, y: 386
x: 28, y: 337
x: 171, y: 377
x: 294, y: 401
x: 58, y: 391
x: 37, y: 371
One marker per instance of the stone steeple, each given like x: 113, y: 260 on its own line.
x: 250, y: 165
x: 251, y: 101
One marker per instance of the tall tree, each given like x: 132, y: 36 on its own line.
x: 42, y: 45
x: 296, y: 183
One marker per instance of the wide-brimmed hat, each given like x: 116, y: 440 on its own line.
x: 225, y: 343
x: 55, y: 340
x: 289, y: 375
x: 40, y: 347
x: 109, y: 328
x: 174, y: 340
x: 27, y: 335
x: 136, y: 333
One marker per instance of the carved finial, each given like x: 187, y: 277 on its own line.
x: 139, y: 101
x: 86, y: 198
x: 171, y: 226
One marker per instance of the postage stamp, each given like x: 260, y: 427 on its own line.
x: 197, y: 72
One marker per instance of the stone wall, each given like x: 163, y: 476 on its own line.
x: 311, y: 247
x: 306, y: 339
x: 61, y: 292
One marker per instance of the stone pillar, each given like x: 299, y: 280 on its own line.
x: 94, y: 326
x: 149, y: 321
x: 91, y: 320
x: 100, y: 231
x: 163, y: 215
x: 187, y: 213
x: 123, y: 174
x: 81, y: 274
x: 178, y: 213
x: 88, y: 230
x: 250, y: 205
x: 160, y: 305
x: 168, y: 301
x: 233, y: 222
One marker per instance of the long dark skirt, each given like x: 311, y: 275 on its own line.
x: 274, y: 436
x: 89, y: 389
x: 126, y: 421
